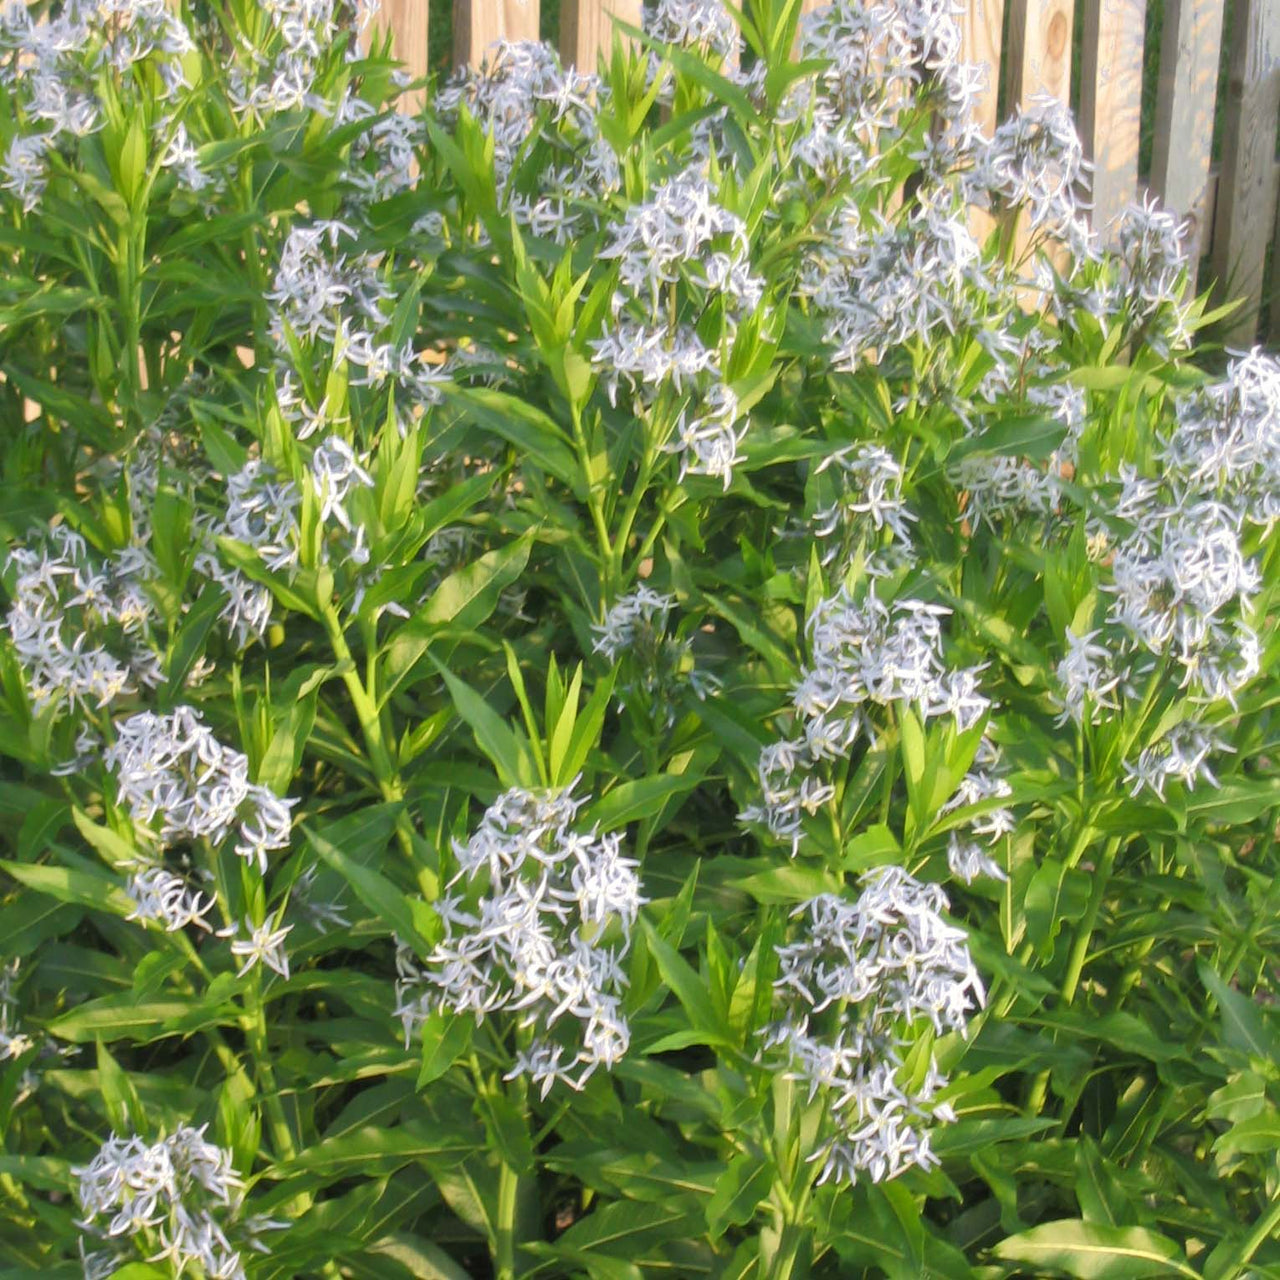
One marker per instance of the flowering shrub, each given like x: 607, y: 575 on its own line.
x: 663, y: 672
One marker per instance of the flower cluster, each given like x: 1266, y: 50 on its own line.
x: 690, y: 23
x: 983, y: 785
x: 1181, y: 753
x: 284, y: 78
x: 1002, y: 486
x: 658, y: 664
x: 80, y: 623
x: 1152, y: 272
x: 867, y: 500
x: 863, y: 655
x: 1035, y: 160
x: 1227, y: 440
x: 51, y: 67
x: 869, y: 652
x: 856, y: 988
x: 879, y: 282
x: 167, y: 898
x: 529, y: 934
x: 680, y: 233
x: 1183, y: 583
x: 172, y: 767
x: 179, y: 1196
x: 522, y: 92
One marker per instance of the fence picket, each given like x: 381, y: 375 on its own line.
x: 1111, y: 101
x: 980, y: 33
x: 1039, y: 52
x: 407, y: 21
x: 586, y: 28
x: 1189, y: 50
x: 478, y: 23
x: 1244, y: 216
x: 981, y: 30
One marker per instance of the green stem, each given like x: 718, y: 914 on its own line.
x: 505, y: 1227
x: 1075, y: 968
x: 1084, y: 931
x: 794, y: 1236
x: 364, y: 701
x: 277, y: 1122
x: 593, y: 495
x: 1262, y: 1232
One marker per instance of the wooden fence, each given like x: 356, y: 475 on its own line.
x: 1028, y: 47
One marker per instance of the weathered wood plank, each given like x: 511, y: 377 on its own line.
x: 1245, y: 216
x: 1038, y: 61
x: 586, y: 28
x: 407, y: 22
x: 1189, y: 48
x: 479, y: 23
x: 1039, y: 52
x: 1111, y: 102
x: 981, y: 30
x: 980, y: 34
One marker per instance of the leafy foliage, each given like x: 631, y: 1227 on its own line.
x: 669, y: 672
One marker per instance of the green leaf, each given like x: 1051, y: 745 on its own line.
x: 81, y: 888
x: 44, y: 1173
x: 25, y: 924
x: 743, y: 1186
x: 114, y: 849
x: 1260, y: 1133
x: 687, y: 986
x: 118, y: 1094
x: 1033, y: 435
x: 43, y: 821
x: 1120, y: 1029
x: 125, y: 1018
x: 1243, y: 1027
x: 445, y: 1038
x: 466, y: 598
x: 641, y: 798
x: 389, y: 903
x: 624, y: 1227
x: 1099, y: 1192
x: 372, y: 1151
x: 537, y: 437
x: 189, y: 641
x: 1091, y: 1251
x: 502, y: 744
x: 788, y: 883
x: 1056, y: 895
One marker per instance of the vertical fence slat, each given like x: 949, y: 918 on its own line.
x: 478, y: 23
x: 586, y: 28
x: 1039, y: 54
x: 980, y: 35
x: 1111, y: 101
x: 1189, y: 47
x: 1245, y: 213
x: 981, y: 30
x: 407, y: 22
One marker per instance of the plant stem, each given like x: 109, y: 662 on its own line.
x: 593, y: 497
x: 1263, y: 1230
x: 505, y: 1227
x: 365, y: 702
x: 1075, y: 968
x: 793, y: 1238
